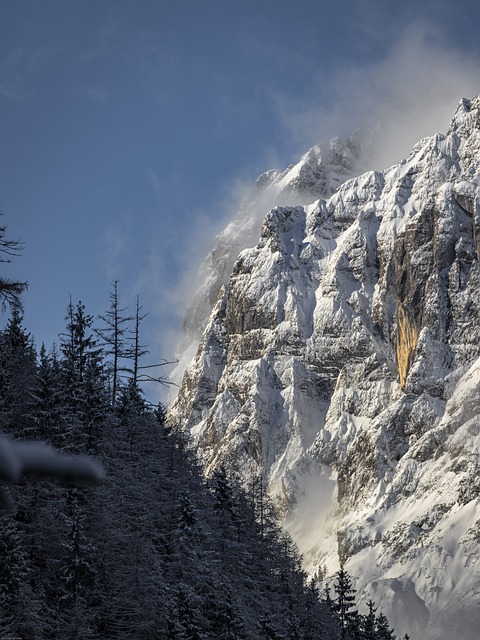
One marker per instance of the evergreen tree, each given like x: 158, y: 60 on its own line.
x: 264, y: 510
x: 327, y: 597
x: 130, y: 409
x: 19, y: 607
x: 131, y: 403
x: 227, y: 511
x: 83, y: 381
x: 77, y: 575
x: 266, y: 627
x: 383, y: 630
x: 188, y: 516
x: 222, y: 491
x: 184, y: 616
x: 47, y: 410
x: 344, y: 605
x: 293, y: 629
x: 161, y: 414
x: 17, y: 377
x: 152, y: 552
x: 317, y: 621
x: 77, y: 345
x: 228, y: 622
x: 370, y: 622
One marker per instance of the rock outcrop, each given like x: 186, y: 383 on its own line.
x: 342, y: 361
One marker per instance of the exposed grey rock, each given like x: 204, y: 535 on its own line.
x: 342, y: 361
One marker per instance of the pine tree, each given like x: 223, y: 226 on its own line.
x: 383, y: 630
x: 47, y: 410
x: 294, y: 629
x: 188, y: 517
x: 151, y: 544
x: 77, y: 344
x: 78, y: 573
x: 130, y: 410
x: 222, y: 491
x: 184, y: 616
x: 83, y: 381
x: 95, y: 402
x: 17, y: 377
x: 344, y: 605
x: 266, y: 627
x: 264, y: 510
x: 161, y: 414
x: 317, y: 619
x: 227, y: 512
x: 369, y: 622
x: 18, y: 603
x: 228, y: 623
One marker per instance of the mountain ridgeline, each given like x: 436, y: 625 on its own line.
x: 340, y: 360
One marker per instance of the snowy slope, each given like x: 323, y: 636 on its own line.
x: 342, y: 360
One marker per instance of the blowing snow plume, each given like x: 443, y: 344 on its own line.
x: 316, y: 175
x: 407, y: 96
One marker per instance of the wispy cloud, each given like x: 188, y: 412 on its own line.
x: 20, y: 68
x: 97, y: 95
x: 116, y: 244
x: 409, y: 94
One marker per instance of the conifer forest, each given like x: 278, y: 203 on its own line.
x: 154, y: 549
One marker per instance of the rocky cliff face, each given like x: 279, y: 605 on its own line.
x: 318, y: 173
x: 342, y: 361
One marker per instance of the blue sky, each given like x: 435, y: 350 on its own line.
x: 128, y: 128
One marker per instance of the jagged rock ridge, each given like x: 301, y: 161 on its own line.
x: 342, y: 360
x: 318, y: 173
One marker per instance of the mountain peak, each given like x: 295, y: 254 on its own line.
x: 317, y: 174
x: 340, y: 361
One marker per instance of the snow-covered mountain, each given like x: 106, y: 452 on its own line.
x: 342, y: 361
x: 318, y: 173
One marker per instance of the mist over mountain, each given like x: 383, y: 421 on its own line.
x: 335, y: 350
x: 317, y: 174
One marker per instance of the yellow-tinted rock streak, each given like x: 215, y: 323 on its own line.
x: 407, y: 337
